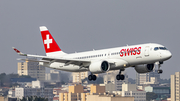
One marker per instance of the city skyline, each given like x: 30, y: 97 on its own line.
x: 75, y: 24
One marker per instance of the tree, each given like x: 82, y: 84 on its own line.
x: 24, y: 76
x: 23, y: 99
x: 34, y: 98
x: 151, y: 96
x: 5, y: 79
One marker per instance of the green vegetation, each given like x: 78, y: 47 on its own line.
x: 5, y: 79
x: 33, y: 98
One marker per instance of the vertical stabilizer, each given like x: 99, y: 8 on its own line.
x: 50, y: 45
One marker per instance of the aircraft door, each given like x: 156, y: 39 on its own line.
x: 109, y: 54
x: 146, y: 51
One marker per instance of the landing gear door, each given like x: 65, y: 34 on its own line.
x: 146, y: 51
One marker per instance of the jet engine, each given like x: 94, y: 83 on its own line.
x: 144, y: 68
x: 99, y: 67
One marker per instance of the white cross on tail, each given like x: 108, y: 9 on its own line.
x: 48, y: 41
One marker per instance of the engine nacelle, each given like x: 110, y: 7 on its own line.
x: 99, y: 67
x: 144, y: 68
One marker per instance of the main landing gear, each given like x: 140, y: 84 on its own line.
x: 159, y: 65
x: 120, y: 76
x: 92, y: 77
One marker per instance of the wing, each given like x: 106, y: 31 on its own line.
x: 49, y: 59
x: 68, y: 61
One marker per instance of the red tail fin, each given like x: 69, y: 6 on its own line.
x: 50, y: 44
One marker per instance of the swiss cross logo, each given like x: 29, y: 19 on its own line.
x: 47, y: 41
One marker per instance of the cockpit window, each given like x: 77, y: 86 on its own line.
x: 160, y: 48
x: 156, y: 48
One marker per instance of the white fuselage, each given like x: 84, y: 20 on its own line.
x: 122, y: 57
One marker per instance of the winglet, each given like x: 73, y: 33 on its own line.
x: 20, y: 53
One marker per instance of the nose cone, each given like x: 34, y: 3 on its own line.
x: 166, y: 55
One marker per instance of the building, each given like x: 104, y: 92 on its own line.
x: 162, y: 92
x: 39, y: 92
x: 11, y: 93
x: 56, y: 92
x: 1, y: 98
x: 175, y: 84
x: 76, y: 93
x: 79, y: 76
x: 32, y: 69
x: 111, y: 84
x: 110, y: 87
x: 98, y: 97
x: 54, y: 75
x: 147, y: 78
x: 92, y: 97
x: 73, y: 96
x: 153, y: 81
x: 129, y: 90
x: 36, y: 88
x: 76, y: 89
x: 97, y: 89
x: 37, y: 84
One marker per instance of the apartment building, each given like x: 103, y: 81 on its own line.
x: 79, y: 76
x: 147, y: 78
x: 175, y: 84
x: 32, y: 69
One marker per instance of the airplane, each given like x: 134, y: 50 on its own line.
x: 142, y: 58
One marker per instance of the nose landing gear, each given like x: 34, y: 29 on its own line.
x: 120, y: 76
x: 159, y: 65
x: 160, y: 71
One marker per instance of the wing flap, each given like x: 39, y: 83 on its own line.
x: 68, y: 61
x: 33, y: 60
